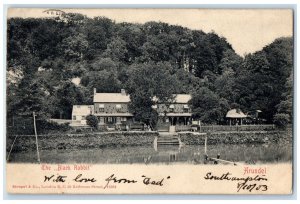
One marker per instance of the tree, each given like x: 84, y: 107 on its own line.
x: 104, y: 64
x: 141, y: 106
x: 67, y: 95
x: 92, y: 121
x: 225, y: 85
x: 151, y: 59
x: 261, y: 80
x: 254, y: 85
x: 149, y: 84
x: 98, y: 31
x: 116, y: 49
x: 230, y: 60
x: 103, y: 81
x: 208, y: 107
x: 286, y: 105
x: 73, y: 47
x: 133, y: 36
x: 281, y: 120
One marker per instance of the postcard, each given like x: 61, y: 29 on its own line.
x: 149, y: 101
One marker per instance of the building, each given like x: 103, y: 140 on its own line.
x: 235, y: 116
x: 79, y: 113
x: 112, y: 109
x: 177, y: 113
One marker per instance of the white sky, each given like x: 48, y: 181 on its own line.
x: 247, y: 30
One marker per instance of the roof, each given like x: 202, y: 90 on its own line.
x: 234, y: 113
x: 179, y: 114
x: 82, y: 109
x: 114, y: 114
x: 183, y: 98
x: 125, y: 98
x: 180, y: 98
x: 111, y: 98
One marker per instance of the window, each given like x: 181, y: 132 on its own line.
x: 186, y: 108
x: 123, y: 119
x: 171, y: 108
x: 118, y: 108
x: 109, y: 119
x: 101, y: 107
x: 74, y: 117
x: 83, y: 117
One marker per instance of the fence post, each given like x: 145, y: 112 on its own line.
x: 36, y: 140
x: 11, y: 148
x: 205, y: 144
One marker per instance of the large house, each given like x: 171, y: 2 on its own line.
x: 112, y: 109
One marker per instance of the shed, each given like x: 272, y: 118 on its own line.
x: 235, y: 114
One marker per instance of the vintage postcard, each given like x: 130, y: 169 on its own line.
x: 149, y: 101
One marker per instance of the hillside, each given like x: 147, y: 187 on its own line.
x: 53, y: 64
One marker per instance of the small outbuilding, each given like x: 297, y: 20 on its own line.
x: 235, y: 116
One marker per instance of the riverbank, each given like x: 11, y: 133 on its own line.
x: 83, y: 141
x: 139, y: 138
x: 245, y: 137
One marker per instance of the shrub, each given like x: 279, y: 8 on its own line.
x: 92, y: 121
x: 44, y: 127
x: 281, y: 120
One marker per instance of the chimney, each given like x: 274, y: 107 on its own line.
x: 95, y: 91
x: 123, y: 92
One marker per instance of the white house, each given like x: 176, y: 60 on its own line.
x: 79, y: 114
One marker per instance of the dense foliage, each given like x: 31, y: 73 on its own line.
x: 92, y: 121
x: 281, y: 120
x: 46, y: 56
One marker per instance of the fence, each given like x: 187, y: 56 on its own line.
x: 225, y: 128
x: 25, y: 126
x: 181, y: 128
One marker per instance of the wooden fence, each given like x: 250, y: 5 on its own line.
x: 202, y: 128
x: 225, y: 128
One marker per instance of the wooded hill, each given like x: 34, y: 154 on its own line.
x: 46, y: 55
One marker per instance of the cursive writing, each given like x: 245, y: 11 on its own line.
x: 148, y: 180
x: 62, y: 179
x: 54, y: 178
x: 80, y: 179
x: 114, y: 179
x: 243, y: 182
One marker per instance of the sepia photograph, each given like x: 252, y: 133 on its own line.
x: 169, y: 89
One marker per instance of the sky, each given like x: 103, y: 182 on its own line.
x: 247, y: 30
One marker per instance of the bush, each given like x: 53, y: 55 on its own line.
x: 281, y: 120
x: 92, y: 121
x: 44, y: 127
